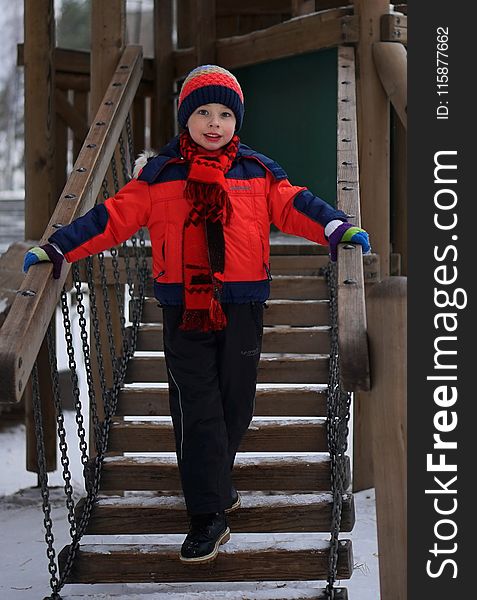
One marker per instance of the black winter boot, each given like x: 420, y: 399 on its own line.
x: 235, y: 501
x: 206, y: 534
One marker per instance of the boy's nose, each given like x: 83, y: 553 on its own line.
x: 214, y: 121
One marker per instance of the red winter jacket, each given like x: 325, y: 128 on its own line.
x: 260, y: 194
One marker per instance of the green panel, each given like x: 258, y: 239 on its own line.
x: 290, y: 115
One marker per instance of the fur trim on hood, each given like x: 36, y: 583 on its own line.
x: 141, y: 161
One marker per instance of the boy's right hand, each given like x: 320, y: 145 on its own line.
x: 44, y: 253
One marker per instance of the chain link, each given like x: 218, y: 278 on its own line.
x: 60, y: 421
x: 136, y: 282
x: 74, y: 378
x: 339, y: 403
x: 80, y: 308
x: 43, y: 479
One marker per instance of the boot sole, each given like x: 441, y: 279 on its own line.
x: 223, y: 539
x: 234, y: 506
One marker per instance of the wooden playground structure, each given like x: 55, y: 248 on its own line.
x: 342, y: 327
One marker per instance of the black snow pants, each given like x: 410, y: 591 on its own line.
x: 212, y: 382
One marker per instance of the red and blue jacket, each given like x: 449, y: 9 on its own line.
x: 260, y: 194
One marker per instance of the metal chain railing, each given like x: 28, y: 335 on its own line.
x: 338, y: 416
x: 136, y: 275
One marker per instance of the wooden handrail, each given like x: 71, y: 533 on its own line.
x: 352, y: 336
x: 25, y: 326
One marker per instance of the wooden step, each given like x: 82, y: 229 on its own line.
x: 147, y: 514
x: 284, y: 591
x: 299, y: 340
x: 295, y: 401
x: 298, y: 265
x: 273, y: 368
x: 289, y: 287
x: 298, y: 313
x: 281, y: 435
x: 283, y: 473
x: 237, y: 561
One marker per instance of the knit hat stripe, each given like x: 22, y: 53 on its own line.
x: 200, y: 79
x: 208, y: 95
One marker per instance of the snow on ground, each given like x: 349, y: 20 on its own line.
x: 24, y: 566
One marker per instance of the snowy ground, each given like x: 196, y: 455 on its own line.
x: 24, y: 572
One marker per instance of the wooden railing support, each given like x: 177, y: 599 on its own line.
x: 25, y: 326
x: 386, y: 303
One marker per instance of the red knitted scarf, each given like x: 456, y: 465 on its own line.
x: 203, y: 252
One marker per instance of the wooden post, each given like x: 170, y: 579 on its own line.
x: 61, y: 152
x: 205, y: 32
x: 387, y: 406
x: 139, y: 125
x: 373, y: 132
x: 399, y: 192
x: 108, y: 29
x: 185, y: 35
x: 108, y: 32
x: 374, y: 168
x: 40, y: 185
x: 163, y: 99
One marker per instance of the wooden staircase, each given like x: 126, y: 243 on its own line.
x: 281, y: 494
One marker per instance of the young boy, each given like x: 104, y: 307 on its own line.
x: 208, y: 202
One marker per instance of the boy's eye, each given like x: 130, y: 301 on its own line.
x: 226, y: 114
x: 202, y: 111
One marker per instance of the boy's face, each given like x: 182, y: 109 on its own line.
x: 212, y: 126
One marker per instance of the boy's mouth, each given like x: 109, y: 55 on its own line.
x: 212, y: 136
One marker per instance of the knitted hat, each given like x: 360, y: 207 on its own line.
x: 207, y: 84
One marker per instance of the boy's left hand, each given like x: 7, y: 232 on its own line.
x: 346, y: 232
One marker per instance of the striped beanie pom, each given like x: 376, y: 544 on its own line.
x: 208, y: 84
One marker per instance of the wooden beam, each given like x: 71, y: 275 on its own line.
x: 297, y: 36
x: 162, y: 126
x: 352, y: 336
x: 25, y: 326
x: 391, y: 63
x: 71, y: 117
x: 77, y: 65
x: 394, y: 28
x: 227, y: 8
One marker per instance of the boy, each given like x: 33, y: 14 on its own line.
x: 208, y: 202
